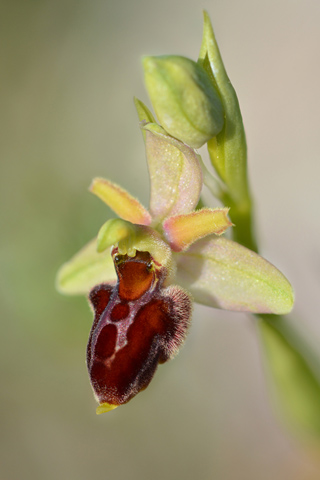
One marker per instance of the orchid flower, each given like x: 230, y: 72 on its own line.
x: 146, y: 266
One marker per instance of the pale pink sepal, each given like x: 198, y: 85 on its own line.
x: 221, y: 273
x: 175, y: 174
x: 120, y: 201
x: 183, y: 230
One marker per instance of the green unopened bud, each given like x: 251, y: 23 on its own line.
x: 184, y: 99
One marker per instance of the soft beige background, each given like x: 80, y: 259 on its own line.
x: 69, y: 70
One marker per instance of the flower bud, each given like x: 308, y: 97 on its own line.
x: 184, y: 99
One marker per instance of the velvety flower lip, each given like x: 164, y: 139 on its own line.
x: 138, y: 324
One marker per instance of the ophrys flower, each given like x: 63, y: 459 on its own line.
x: 132, y: 268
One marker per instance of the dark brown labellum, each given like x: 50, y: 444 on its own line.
x: 137, y: 325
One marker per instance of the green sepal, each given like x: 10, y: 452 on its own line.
x: 223, y: 274
x: 175, y: 174
x: 85, y: 270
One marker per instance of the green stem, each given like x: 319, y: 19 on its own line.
x: 214, y: 185
x: 293, y: 370
x: 241, y: 215
x: 292, y: 365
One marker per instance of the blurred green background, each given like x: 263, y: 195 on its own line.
x: 69, y: 70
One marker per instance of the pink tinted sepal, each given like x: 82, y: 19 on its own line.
x: 84, y: 270
x: 175, y: 174
x: 223, y: 274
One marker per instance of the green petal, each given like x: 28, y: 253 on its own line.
x: 85, y: 270
x: 293, y: 374
x: 221, y: 273
x: 175, y: 174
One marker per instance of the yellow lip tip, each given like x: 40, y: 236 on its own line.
x: 105, y: 407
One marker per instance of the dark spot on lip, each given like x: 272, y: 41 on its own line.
x: 119, y: 312
x: 106, y: 343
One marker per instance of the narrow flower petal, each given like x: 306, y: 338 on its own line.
x: 223, y: 274
x: 85, y: 270
x: 175, y: 174
x: 120, y: 201
x: 183, y: 230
